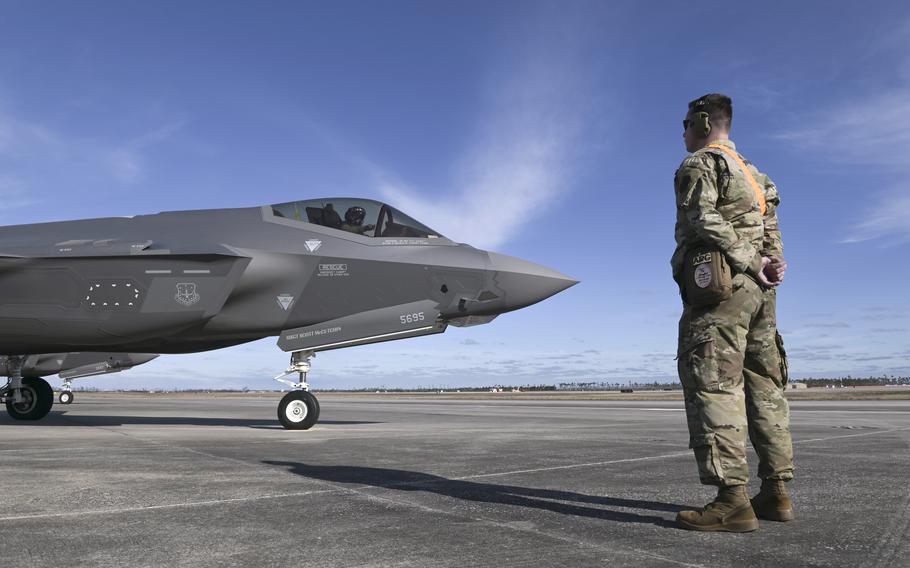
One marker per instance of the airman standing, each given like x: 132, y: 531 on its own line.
x: 731, y: 361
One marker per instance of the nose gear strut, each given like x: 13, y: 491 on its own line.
x: 300, y: 364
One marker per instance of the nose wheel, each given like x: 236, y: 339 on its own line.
x: 298, y: 409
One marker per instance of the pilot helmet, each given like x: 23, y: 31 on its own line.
x: 354, y: 215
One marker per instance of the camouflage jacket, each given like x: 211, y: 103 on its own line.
x: 716, y: 205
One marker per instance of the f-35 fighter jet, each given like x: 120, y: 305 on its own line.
x: 83, y: 298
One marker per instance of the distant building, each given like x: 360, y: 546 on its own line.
x: 797, y: 386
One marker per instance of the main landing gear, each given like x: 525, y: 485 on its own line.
x: 298, y: 409
x: 26, y: 398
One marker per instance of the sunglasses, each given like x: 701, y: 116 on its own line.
x: 686, y: 123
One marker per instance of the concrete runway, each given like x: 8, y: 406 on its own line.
x: 152, y: 481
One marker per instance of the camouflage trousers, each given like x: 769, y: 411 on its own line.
x: 733, y: 369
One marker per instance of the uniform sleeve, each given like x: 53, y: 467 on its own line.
x: 676, y: 264
x: 772, y: 243
x: 697, y: 195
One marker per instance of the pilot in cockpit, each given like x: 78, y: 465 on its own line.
x: 353, y: 221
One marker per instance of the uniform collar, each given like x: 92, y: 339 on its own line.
x: 728, y: 143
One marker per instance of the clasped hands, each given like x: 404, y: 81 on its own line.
x: 772, y: 271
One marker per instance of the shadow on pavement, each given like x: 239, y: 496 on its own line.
x: 557, y: 501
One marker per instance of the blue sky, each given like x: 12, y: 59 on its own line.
x: 545, y: 130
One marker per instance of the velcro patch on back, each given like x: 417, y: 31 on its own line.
x: 703, y: 258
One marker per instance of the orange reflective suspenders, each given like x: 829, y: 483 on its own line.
x: 759, y: 192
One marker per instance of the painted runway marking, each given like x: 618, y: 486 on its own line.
x: 659, y: 457
x: 851, y: 436
x: 168, y: 506
x: 873, y: 412
x: 72, y: 449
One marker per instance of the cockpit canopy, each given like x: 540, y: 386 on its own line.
x: 359, y: 216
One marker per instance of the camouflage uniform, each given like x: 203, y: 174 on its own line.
x: 731, y: 360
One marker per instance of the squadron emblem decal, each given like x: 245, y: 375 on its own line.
x: 285, y: 301
x: 313, y: 245
x: 186, y: 293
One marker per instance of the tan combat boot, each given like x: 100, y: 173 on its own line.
x: 772, y: 502
x: 730, y: 511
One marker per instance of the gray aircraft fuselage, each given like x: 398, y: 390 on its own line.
x: 189, y: 281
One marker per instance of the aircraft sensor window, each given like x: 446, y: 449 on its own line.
x: 359, y: 216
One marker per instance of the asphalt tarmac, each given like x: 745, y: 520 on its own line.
x: 151, y: 481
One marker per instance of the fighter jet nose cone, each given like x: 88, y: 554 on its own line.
x: 525, y: 283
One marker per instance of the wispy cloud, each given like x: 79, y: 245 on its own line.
x: 871, y: 132
x: 24, y: 139
x: 14, y: 192
x: 876, y: 358
x: 827, y: 325
x: 889, y: 219
x: 522, y: 158
x: 37, y: 148
x: 126, y: 162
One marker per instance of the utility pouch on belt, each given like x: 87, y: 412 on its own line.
x: 707, y: 278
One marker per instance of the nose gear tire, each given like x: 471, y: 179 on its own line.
x: 298, y: 410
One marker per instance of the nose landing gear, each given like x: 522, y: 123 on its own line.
x: 66, y: 392
x: 298, y: 409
